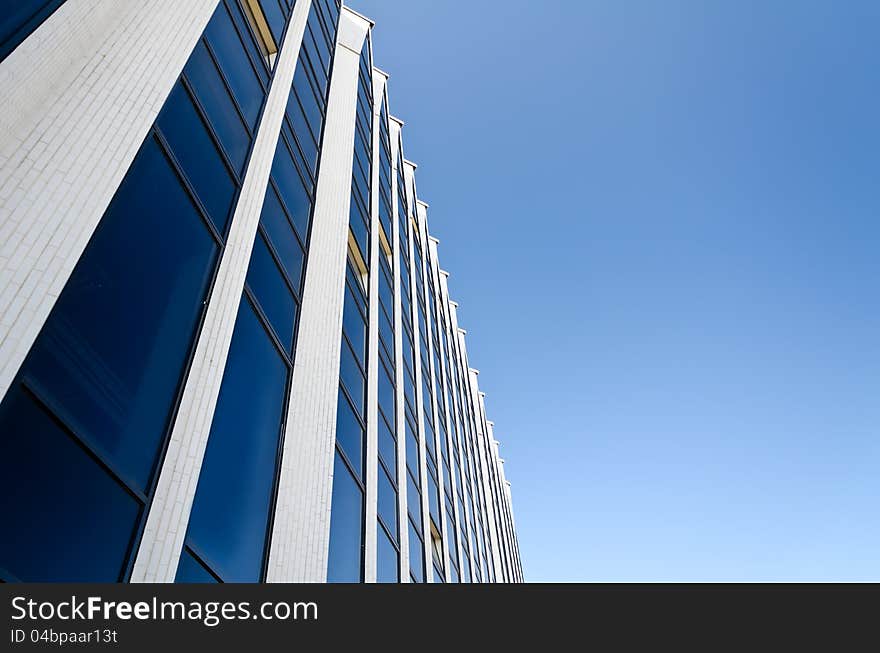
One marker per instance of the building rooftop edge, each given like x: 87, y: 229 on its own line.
x: 358, y: 14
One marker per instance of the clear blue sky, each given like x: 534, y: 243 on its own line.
x: 662, y: 223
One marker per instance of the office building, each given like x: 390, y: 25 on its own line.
x: 227, y: 350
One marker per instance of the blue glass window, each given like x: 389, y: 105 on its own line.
x: 387, y: 446
x: 222, y: 114
x: 309, y: 104
x: 198, y: 155
x: 306, y: 144
x: 275, y: 17
x: 386, y: 332
x: 412, y: 447
x: 268, y: 285
x: 230, y: 513
x: 345, y: 556
x: 227, y: 46
x: 433, y: 499
x: 321, y: 42
x: 292, y: 189
x: 387, y: 561
x: 386, y: 294
x: 359, y: 229
x: 416, y: 555
x: 190, y: 570
x: 353, y: 324
x: 352, y: 377
x: 283, y: 239
x: 386, y: 392
x: 145, y: 273
x: 387, y: 502
x: 349, y: 434
x: 51, y: 486
x: 413, y: 499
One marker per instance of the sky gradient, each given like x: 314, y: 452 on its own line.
x: 662, y: 224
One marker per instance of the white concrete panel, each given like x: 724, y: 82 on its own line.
x: 372, y: 468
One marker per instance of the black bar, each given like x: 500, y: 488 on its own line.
x: 604, y: 617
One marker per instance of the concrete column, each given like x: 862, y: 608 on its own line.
x: 372, y: 467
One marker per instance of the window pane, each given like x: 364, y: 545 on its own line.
x: 387, y: 562
x: 353, y: 325
x: 231, y: 508
x: 209, y: 88
x: 416, y: 556
x: 433, y: 499
x: 251, y: 40
x: 309, y: 103
x: 465, y: 568
x: 290, y: 186
x: 267, y: 284
x: 358, y: 228
x: 386, y: 332
x: 320, y: 41
x: 274, y: 17
x: 235, y: 63
x: 67, y: 519
x: 386, y: 293
x: 352, y: 377
x: 412, y: 448
x: 346, y: 524
x: 307, y: 147
x: 190, y: 570
x: 197, y: 154
x: 317, y: 75
x: 350, y: 434
x: 387, y: 502
x: 145, y: 273
x: 413, y: 499
x: 387, y: 446
x: 386, y: 392
x: 282, y: 237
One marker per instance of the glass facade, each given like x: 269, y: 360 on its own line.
x: 109, y: 385
x: 228, y: 534
x: 86, y: 423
